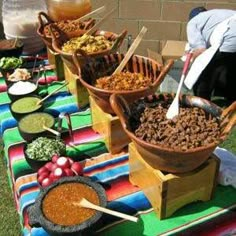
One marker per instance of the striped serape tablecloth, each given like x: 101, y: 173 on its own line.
x: 111, y: 171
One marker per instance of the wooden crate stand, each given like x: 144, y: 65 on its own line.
x: 109, y: 127
x: 76, y: 88
x: 168, y: 192
x: 55, y: 60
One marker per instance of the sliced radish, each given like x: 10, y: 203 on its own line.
x: 46, y: 182
x: 49, y: 165
x: 58, y: 173
x: 77, y: 168
x: 69, y: 172
x: 70, y: 160
x: 42, y: 176
x: 63, y: 162
x: 42, y: 170
x: 55, y: 158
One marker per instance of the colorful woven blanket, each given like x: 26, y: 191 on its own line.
x: 111, y: 171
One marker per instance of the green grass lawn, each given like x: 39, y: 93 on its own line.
x: 9, y: 219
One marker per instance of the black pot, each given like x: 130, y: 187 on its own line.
x: 37, y: 218
x: 31, y: 136
x: 37, y: 164
x: 14, y: 97
x: 18, y: 116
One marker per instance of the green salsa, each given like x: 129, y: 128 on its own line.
x: 34, y: 122
x: 25, y: 105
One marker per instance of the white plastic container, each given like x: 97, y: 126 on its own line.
x: 20, y: 20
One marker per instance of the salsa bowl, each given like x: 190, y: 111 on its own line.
x: 44, y: 212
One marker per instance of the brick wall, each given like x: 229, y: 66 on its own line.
x: 165, y: 19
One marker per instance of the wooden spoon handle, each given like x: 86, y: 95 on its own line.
x: 51, y: 130
x: 53, y: 92
x: 131, y: 50
x: 96, y: 11
x: 96, y: 26
x: 90, y: 205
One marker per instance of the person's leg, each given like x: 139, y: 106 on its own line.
x: 213, y: 77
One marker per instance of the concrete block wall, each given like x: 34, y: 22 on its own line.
x: 165, y: 19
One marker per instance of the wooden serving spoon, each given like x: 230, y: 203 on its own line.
x: 131, y: 50
x: 53, y: 92
x: 87, y: 204
x: 96, y: 26
x: 96, y: 11
x: 51, y: 130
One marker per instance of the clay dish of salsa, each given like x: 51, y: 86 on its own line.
x: 55, y: 211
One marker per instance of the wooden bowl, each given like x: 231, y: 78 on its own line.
x: 44, y: 21
x: 58, y: 42
x: 37, y: 217
x: 170, y: 159
x: 106, y: 65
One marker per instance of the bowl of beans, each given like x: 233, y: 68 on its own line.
x: 140, y: 77
x: 55, y: 209
x: 180, y: 144
x: 69, y: 27
x: 85, y: 45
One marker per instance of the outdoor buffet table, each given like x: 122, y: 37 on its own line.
x: 112, y: 171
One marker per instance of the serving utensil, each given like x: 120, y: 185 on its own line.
x: 53, y: 92
x: 51, y: 130
x: 96, y: 11
x: 87, y: 204
x: 174, y: 107
x: 131, y: 50
x: 97, y: 25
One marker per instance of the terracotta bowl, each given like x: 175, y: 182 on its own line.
x: 58, y: 42
x: 106, y: 65
x: 168, y: 159
x: 38, y: 219
x: 44, y: 21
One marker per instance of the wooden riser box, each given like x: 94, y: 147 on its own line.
x: 168, y: 192
x: 109, y: 127
x: 76, y: 88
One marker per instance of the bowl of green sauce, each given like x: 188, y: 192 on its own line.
x: 25, y: 106
x: 31, y: 126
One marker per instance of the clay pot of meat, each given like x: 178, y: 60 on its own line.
x: 163, y: 144
x: 138, y: 68
x: 55, y: 209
